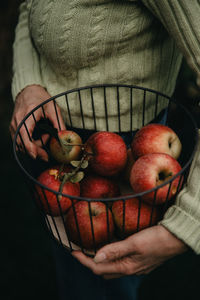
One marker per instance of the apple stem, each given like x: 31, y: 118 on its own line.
x: 60, y: 170
x: 79, y: 165
x: 64, y: 179
x: 64, y: 145
x: 67, y: 176
x: 81, y: 145
x: 88, y: 153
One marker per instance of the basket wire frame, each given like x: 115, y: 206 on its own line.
x: 32, y: 168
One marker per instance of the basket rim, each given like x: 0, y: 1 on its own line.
x: 122, y: 197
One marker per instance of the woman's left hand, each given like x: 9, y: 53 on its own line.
x: 139, y: 254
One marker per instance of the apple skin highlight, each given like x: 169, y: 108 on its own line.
x: 156, y: 138
x: 150, y: 171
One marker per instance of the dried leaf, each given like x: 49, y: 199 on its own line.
x: 75, y: 163
x: 77, y: 177
x: 84, y: 164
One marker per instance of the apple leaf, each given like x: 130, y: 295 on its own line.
x: 75, y: 163
x: 77, y: 177
x: 84, y: 164
x: 78, y: 163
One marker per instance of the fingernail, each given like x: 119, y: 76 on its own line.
x: 100, y: 257
x: 33, y: 155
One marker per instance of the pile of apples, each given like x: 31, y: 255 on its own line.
x: 95, y: 169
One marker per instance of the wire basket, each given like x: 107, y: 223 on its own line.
x: 96, y: 108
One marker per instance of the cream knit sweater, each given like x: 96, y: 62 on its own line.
x: 62, y: 45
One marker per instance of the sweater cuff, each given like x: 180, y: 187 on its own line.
x: 183, y: 218
x: 183, y: 226
x: 20, y: 81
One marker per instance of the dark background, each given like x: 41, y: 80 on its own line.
x: 27, y: 266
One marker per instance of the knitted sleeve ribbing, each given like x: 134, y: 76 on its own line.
x: 182, y: 21
x: 183, y: 218
x: 26, y: 69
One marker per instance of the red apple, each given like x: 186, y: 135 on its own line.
x: 132, y: 215
x: 101, y: 218
x: 71, y: 146
x: 154, y: 138
x: 50, y: 202
x: 151, y: 170
x: 109, y: 153
x: 96, y: 186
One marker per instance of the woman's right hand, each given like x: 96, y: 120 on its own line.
x: 28, y: 99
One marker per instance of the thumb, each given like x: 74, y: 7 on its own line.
x: 114, y: 251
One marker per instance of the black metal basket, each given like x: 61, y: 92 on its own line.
x: 112, y: 99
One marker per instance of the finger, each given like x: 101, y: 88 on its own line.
x: 12, y: 134
x: 41, y: 153
x: 113, y: 267
x: 25, y: 140
x: 39, y: 150
x: 88, y: 262
x: 15, y: 121
x: 19, y: 147
x: 13, y: 127
x: 12, y: 131
x: 56, y: 118
x: 26, y: 143
x: 26, y: 132
x: 114, y: 251
x: 83, y: 259
x: 32, y: 149
x: 42, y: 141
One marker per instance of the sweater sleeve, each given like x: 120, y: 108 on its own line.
x: 181, y: 20
x: 183, y: 218
x: 26, y: 65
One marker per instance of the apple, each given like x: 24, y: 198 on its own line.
x: 96, y: 186
x: 127, y: 169
x: 151, y: 170
x: 51, y: 203
x: 132, y: 215
x: 108, y: 153
x: 91, y: 236
x: 69, y: 147
x: 154, y: 138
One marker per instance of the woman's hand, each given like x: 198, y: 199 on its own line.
x: 28, y: 99
x: 138, y: 254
